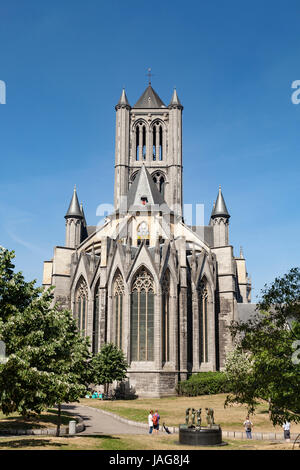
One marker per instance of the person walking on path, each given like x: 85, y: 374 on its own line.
x: 150, y: 421
x: 287, y: 431
x: 248, y: 428
x: 155, y: 420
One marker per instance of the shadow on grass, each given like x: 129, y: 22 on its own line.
x: 44, y: 443
x: 27, y: 443
x: 34, y: 421
x: 99, y: 436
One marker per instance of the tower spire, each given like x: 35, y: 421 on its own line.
x: 123, y: 101
x: 220, y: 209
x: 74, y: 207
x: 175, y: 100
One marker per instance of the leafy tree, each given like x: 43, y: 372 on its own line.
x: 47, y: 357
x: 269, y: 339
x: 107, y: 366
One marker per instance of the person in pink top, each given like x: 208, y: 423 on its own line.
x: 155, y: 420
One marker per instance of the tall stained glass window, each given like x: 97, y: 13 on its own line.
x: 142, y: 317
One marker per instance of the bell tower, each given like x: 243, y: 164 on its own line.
x: 150, y: 134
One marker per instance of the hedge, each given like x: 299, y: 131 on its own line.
x: 204, y: 383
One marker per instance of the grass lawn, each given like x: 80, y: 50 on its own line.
x: 130, y: 442
x: 172, y: 411
x: 47, y: 419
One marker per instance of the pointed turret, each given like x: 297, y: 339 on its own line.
x: 74, y: 207
x: 122, y: 148
x: 75, y: 222
x: 123, y: 101
x: 175, y: 100
x: 219, y: 219
x: 220, y: 209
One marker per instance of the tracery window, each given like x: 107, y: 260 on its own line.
x: 142, y: 317
x: 165, y: 317
x: 203, y: 334
x: 96, y: 319
x: 159, y: 180
x: 140, y: 141
x: 81, y: 299
x: 157, y: 141
x: 118, y: 299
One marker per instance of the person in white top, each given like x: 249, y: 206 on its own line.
x: 150, y: 421
x: 248, y: 428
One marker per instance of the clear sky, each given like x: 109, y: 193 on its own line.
x: 64, y: 63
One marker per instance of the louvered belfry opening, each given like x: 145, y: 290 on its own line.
x: 157, y: 140
x: 140, y: 138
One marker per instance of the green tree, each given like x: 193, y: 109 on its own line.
x: 107, y: 366
x: 47, y: 357
x: 270, y: 339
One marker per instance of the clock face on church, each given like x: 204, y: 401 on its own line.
x: 143, y: 230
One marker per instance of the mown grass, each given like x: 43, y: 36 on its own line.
x: 47, y: 419
x: 128, y: 442
x: 172, y: 411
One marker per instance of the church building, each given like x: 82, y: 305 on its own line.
x: 161, y: 290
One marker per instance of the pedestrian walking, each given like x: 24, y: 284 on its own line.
x: 150, y: 421
x: 155, y: 420
x: 287, y: 431
x: 248, y: 427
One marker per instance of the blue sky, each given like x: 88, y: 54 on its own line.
x: 64, y: 64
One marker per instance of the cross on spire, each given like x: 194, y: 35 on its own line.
x: 149, y: 75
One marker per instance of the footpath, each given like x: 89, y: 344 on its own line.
x: 94, y: 421
x: 103, y: 422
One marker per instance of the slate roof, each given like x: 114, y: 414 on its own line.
x: 175, y: 100
x: 123, y: 99
x: 149, y: 99
x: 74, y: 207
x: 220, y: 209
x: 143, y: 187
x: 246, y: 311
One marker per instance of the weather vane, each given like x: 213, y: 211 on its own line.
x: 149, y: 75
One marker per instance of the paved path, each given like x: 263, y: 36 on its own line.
x: 97, y: 422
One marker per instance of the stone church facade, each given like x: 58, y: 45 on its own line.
x: 161, y: 290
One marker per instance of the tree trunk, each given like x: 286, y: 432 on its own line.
x: 58, y: 419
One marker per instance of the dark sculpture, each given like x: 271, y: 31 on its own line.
x: 187, y: 416
x: 199, y: 417
x: 194, y: 434
x: 193, y: 416
x: 210, y: 417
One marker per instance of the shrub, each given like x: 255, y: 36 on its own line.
x: 204, y: 383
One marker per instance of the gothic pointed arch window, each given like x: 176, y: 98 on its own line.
x: 203, y: 320
x: 81, y: 304
x: 118, y: 300
x: 165, y: 320
x: 157, y: 141
x: 96, y: 319
x: 142, y: 317
x: 140, y: 141
x: 159, y: 180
